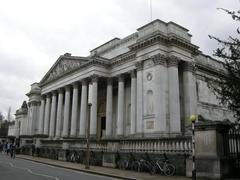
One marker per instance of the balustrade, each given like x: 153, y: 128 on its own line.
x: 157, y: 146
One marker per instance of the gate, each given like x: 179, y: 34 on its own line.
x: 231, y: 140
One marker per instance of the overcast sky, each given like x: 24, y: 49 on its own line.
x: 34, y: 33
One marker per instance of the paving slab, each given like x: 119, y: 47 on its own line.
x: 105, y: 171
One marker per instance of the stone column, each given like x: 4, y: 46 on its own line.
x: 189, y: 92
x: 53, y: 114
x: 109, y: 108
x: 66, y: 111
x: 161, y: 96
x: 47, y: 115
x: 139, y: 122
x: 93, y: 116
x: 174, y: 98
x: 41, y: 119
x: 83, y: 110
x: 120, y: 106
x: 59, y: 113
x: 73, y: 131
x: 133, y: 102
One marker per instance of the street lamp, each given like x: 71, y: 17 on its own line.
x: 89, y: 99
x: 193, y: 120
x: 88, y: 138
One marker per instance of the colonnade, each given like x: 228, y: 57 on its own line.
x: 60, y: 114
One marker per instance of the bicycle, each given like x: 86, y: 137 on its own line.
x: 165, y: 167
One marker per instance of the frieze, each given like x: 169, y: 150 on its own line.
x: 168, y: 40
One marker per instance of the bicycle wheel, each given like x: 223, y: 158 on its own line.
x: 136, y: 166
x: 168, y: 169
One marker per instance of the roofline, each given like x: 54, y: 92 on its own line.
x: 158, y: 20
x: 116, y: 38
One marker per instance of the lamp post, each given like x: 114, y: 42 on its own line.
x: 193, y: 120
x: 88, y: 137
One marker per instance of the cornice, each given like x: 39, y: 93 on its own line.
x: 210, y: 70
x: 158, y: 37
x: 123, y: 58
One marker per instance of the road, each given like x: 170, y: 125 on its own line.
x: 19, y: 169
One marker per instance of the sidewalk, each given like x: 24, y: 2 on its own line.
x: 116, y: 173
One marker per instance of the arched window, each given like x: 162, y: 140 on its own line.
x: 150, y: 106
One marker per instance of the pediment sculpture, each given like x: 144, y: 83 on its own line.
x: 63, y: 67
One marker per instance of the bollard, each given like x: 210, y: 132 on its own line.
x: 193, y: 119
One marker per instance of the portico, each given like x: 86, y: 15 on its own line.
x: 135, y: 101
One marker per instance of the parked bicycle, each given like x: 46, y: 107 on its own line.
x: 163, y: 166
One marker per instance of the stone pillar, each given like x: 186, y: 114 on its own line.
x: 93, y: 116
x: 53, y: 114
x: 120, y: 109
x: 133, y: 102
x: 66, y: 111
x: 59, y: 113
x: 83, y: 110
x: 174, y: 98
x: 210, y: 159
x: 109, y: 108
x: 161, y: 96
x: 139, y: 122
x: 41, y: 119
x: 47, y: 115
x: 189, y: 92
x: 73, y: 131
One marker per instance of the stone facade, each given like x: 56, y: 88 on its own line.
x: 145, y: 85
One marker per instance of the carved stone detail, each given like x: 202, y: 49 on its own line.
x: 121, y: 78
x: 133, y: 74
x: 172, y: 61
x: 84, y: 82
x: 62, y: 67
x: 189, y: 66
x: 160, y: 59
x: 139, y: 65
x: 109, y: 80
x: 94, y: 78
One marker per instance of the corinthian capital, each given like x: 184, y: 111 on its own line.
x: 139, y: 65
x: 173, y: 61
x: 189, y: 66
x: 94, y: 78
x: 160, y: 59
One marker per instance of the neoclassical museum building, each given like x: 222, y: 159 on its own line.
x: 136, y: 93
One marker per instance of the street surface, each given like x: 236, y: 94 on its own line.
x: 19, y: 169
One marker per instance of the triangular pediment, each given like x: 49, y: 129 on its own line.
x: 63, y: 65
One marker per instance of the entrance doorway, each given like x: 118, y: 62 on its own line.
x: 103, y: 127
